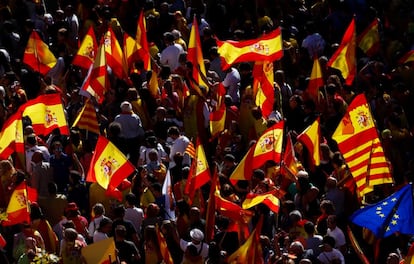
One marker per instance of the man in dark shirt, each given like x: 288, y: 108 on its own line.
x: 127, y: 251
x: 131, y: 233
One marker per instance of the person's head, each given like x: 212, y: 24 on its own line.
x: 157, y: 188
x: 31, y: 140
x: 52, y: 188
x: 119, y: 211
x: 70, y: 234
x: 393, y: 258
x: 195, y: 214
x: 309, y: 228
x: 98, y: 209
x: 331, y: 183
x: 37, y: 157
x: 57, y: 148
x: 295, y: 216
x: 35, y: 211
x: 152, y: 210
x: 72, y: 210
x: 296, y: 248
x: 120, y: 232
x: 328, y: 243
x: 126, y: 107
x: 332, y: 222
x: 173, y: 132
x: 327, y: 207
x: 105, y: 225
x: 130, y: 199
x: 197, y: 236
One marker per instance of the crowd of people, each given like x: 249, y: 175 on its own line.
x: 155, y: 131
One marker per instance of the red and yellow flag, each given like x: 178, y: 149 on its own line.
x: 315, y: 81
x: 166, y: 255
x: 130, y: 50
x: 109, y: 166
x: 266, y: 48
x: 199, y: 172
x: 190, y: 150
x: 46, y: 113
x: 290, y: 164
x: 263, y: 86
x: 18, y: 209
x: 269, y: 145
x: 87, y: 118
x: 344, y: 58
x: 211, y: 208
x: 369, y: 40
x: 361, y: 148
x: 114, y: 55
x: 244, y: 169
x: 195, y: 56
x: 310, y: 138
x: 85, y: 56
x: 217, y: 121
x: 153, y: 86
x: 37, y: 55
x: 11, y: 136
x: 97, y: 83
x: 408, y: 57
x: 269, y: 199
x: 251, y: 250
x: 142, y: 41
x: 409, y: 259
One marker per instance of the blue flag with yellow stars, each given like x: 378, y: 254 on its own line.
x: 393, y: 214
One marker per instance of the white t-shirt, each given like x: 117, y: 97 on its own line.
x: 204, y: 251
x: 170, y: 56
x: 179, y: 145
x: 135, y: 215
x: 338, y: 235
x: 326, y: 257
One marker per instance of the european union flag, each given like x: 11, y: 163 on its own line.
x: 393, y: 214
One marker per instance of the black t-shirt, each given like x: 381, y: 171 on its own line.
x: 130, y: 229
x: 126, y: 251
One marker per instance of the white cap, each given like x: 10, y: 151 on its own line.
x: 197, y: 235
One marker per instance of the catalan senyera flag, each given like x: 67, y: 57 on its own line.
x: 310, y: 138
x: 361, y: 148
x: 18, y: 209
x: 37, y: 55
x: 190, y: 150
x: 101, y: 252
x: 195, y: 55
x: 217, y: 121
x: 142, y: 41
x: 166, y: 255
x: 87, y: 118
x: 408, y: 57
x: 344, y: 58
x: 263, y: 86
x: 244, y: 169
x: 316, y: 80
x: 369, y: 40
x: 266, y: 48
x: 97, y: 83
x: 114, y: 55
x: 11, y: 136
x: 269, y: 145
x: 46, y: 113
x: 85, y: 56
x: 199, y: 172
x: 269, y: 199
x: 251, y: 250
x: 109, y: 166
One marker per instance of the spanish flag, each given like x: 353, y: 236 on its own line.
x: 211, y: 208
x: 310, y: 138
x: 142, y: 41
x: 96, y: 83
x: 266, y: 48
x: 18, y: 209
x: 46, y: 113
x: 130, y: 51
x: 290, y: 165
x: 87, y: 118
x: 114, y: 55
x: 195, y: 56
x: 316, y: 80
x: 85, y: 56
x: 269, y: 145
x: 408, y: 57
x: 166, y: 255
x: 37, y: 55
x: 263, y: 85
x: 244, y: 169
x: 109, y: 167
x: 217, y: 121
x: 269, y: 199
x: 199, y: 172
x: 361, y: 148
x: 344, y: 58
x: 251, y: 250
x: 153, y: 85
x: 369, y: 40
x: 11, y: 136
